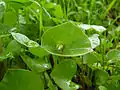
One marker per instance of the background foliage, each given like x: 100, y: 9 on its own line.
x: 59, y: 44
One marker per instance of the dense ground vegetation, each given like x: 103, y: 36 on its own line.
x: 59, y: 45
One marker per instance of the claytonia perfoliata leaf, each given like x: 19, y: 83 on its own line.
x: 14, y: 47
x: 38, y: 51
x: 113, y: 55
x: 21, y: 80
x: 101, y: 77
x: 66, y: 40
x: 90, y: 58
x: 63, y: 73
x: 22, y: 39
x: 39, y: 65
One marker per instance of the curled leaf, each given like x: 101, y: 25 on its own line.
x: 22, y: 39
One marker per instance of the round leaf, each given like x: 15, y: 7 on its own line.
x: 14, y: 47
x: 63, y: 73
x: 101, y: 77
x: 21, y: 80
x: 113, y: 55
x: 10, y: 19
x: 66, y: 40
x: 90, y: 58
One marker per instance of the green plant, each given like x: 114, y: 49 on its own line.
x: 59, y: 45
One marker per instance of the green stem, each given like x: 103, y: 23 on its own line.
x: 101, y: 51
x: 109, y: 7
x: 41, y: 22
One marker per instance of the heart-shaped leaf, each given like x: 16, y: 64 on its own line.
x: 66, y: 40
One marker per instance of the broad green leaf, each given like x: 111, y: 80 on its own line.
x: 113, y: 55
x: 22, y: 39
x: 66, y: 40
x: 36, y: 65
x: 14, y: 47
x: 63, y: 73
x: 94, y: 40
x: 90, y: 58
x: 95, y: 27
x: 10, y: 18
x: 102, y: 88
x: 38, y: 51
x: 101, y: 77
x: 21, y: 80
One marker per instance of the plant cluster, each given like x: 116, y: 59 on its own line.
x: 59, y: 45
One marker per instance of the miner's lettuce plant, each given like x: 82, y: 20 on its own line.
x: 59, y: 45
